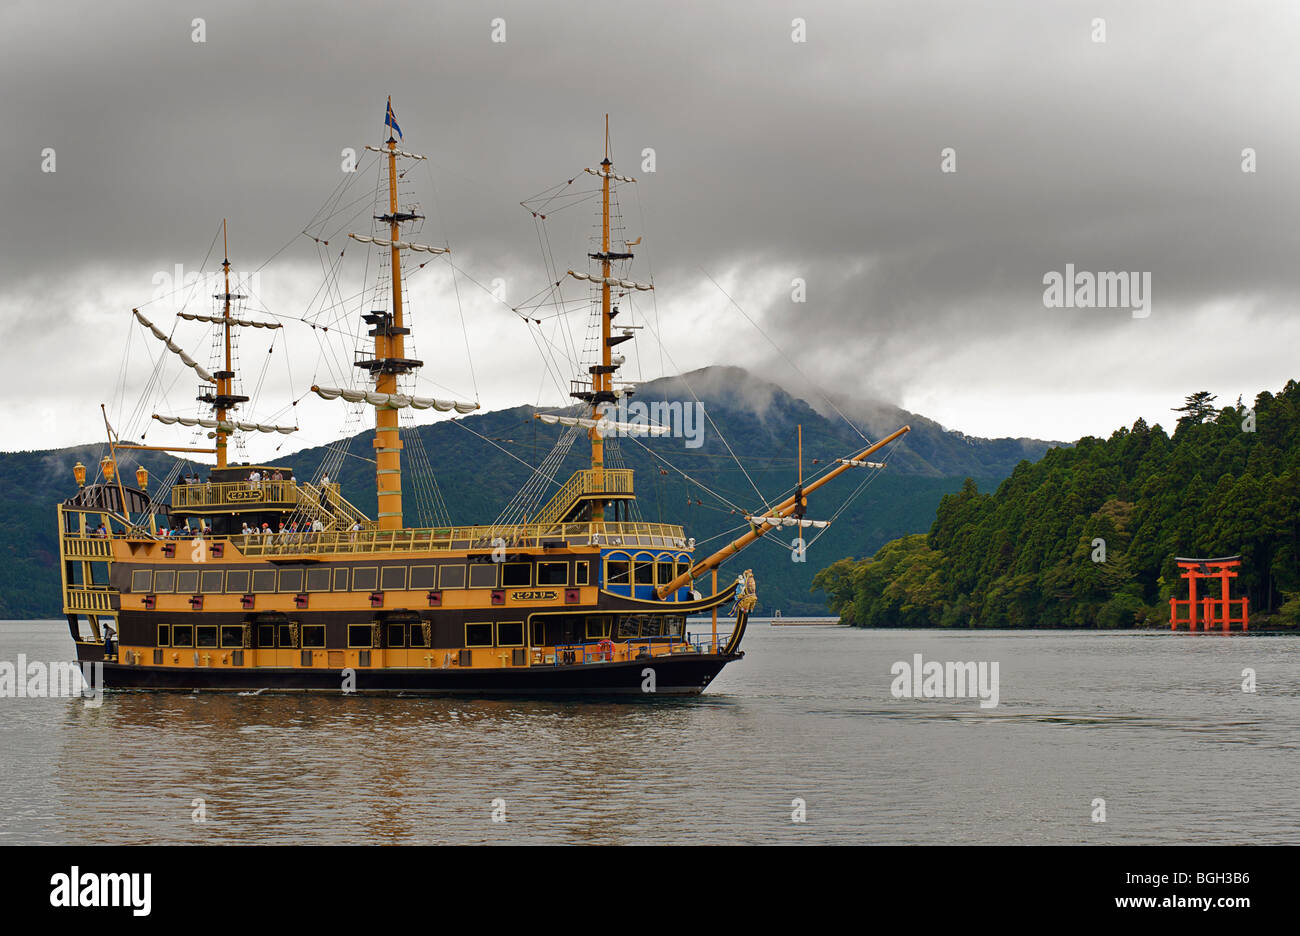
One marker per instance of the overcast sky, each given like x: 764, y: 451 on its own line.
x: 774, y: 160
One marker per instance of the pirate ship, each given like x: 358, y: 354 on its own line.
x: 253, y: 578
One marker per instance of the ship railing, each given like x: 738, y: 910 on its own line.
x: 533, y: 535
x: 88, y: 598
x: 585, y: 483
x: 674, y: 642
x: 703, y: 643
x: 233, y: 493
x: 540, y: 535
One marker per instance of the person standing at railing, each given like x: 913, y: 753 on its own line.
x: 325, y: 493
x: 356, y: 528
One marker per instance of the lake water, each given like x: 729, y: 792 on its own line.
x: 1156, y: 724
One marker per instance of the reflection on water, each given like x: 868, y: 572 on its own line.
x: 1155, y: 724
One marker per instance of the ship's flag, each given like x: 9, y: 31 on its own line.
x: 391, y: 121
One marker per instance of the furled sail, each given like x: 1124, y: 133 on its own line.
x: 223, y: 425
x: 174, y: 348
x: 609, y: 175
x: 218, y: 320
x: 396, y: 152
x: 604, y: 426
x: 393, y: 400
x: 401, y: 245
x: 860, y: 464
x: 789, y: 521
x: 611, y: 281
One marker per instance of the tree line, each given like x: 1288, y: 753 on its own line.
x: 1087, y: 536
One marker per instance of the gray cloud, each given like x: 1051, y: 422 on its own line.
x: 775, y: 160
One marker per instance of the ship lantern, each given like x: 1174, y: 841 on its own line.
x: 142, y: 477
x: 79, y: 472
x: 108, y: 467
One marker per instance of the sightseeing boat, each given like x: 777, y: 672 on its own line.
x: 254, y: 578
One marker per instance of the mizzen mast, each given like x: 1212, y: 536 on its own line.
x: 602, y: 374
x: 225, y: 399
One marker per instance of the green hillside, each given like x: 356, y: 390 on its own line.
x: 477, y: 478
x: 1025, y: 556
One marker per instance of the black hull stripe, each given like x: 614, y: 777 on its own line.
x: 673, y: 676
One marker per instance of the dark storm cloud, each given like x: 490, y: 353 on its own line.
x: 819, y: 159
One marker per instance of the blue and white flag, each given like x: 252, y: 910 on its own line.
x: 391, y: 121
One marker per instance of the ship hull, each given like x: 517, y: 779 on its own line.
x: 684, y: 675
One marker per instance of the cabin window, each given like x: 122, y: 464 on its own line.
x: 417, y: 635
x: 627, y: 626
x: 424, y: 577
x: 205, y: 635
x: 597, y: 628
x: 365, y: 579
x: 516, y: 574
x: 183, y: 635
x: 340, y: 579
x: 211, y: 581
x: 393, y: 578
x: 616, y: 572
x: 510, y: 633
x: 537, y: 627
x: 318, y: 580
x: 644, y: 572
x: 478, y: 635
x: 683, y: 566
x: 359, y: 635
x: 285, y: 632
x: 264, y: 580
x: 142, y: 580
x: 483, y: 575
x: 552, y: 573
x: 237, y: 581
x: 232, y: 636
x: 164, y: 635
x: 396, y: 636
x: 313, y: 636
x: 188, y: 581
x: 581, y: 573
x: 451, y: 576
x: 291, y: 580
x: 665, y: 572
x: 266, y: 636
x: 164, y: 581
x: 675, y: 625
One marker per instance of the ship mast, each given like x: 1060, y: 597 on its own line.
x: 602, y: 373
x: 390, y: 353
x: 224, y: 399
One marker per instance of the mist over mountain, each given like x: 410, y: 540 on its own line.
x: 746, y: 458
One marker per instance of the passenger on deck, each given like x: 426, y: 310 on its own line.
x: 109, y: 634
x: 356, y: 528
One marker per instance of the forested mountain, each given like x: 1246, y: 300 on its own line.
x: 1226, y: 483
x: 477, y: 463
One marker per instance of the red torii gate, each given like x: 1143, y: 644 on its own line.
x: 1223, y: 569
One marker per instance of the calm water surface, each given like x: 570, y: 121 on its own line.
x: 1156, y: 724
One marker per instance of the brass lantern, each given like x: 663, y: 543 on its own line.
x: 79, y: 472
x: 108, y: 467
x: 142, y: 478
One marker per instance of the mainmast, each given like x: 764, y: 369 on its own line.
x: 390, y: 352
